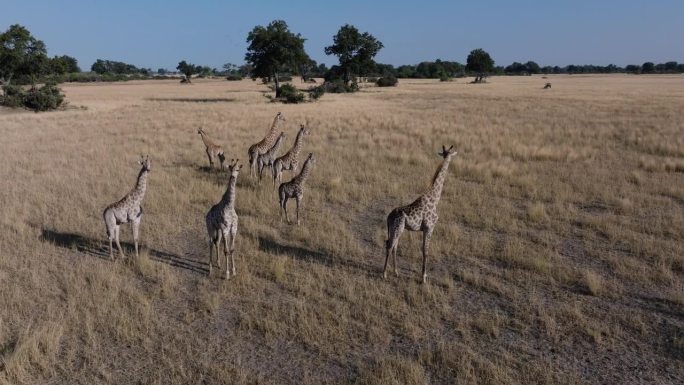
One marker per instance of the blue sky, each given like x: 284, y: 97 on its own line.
x: 159, y: 33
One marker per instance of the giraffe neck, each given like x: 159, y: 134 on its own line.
x: 277, y: 145
x: 205, y: 139
x: 304, y: 174
x: 228, y: 200
x: 298, y: 143
x: 140, y: 186
x: 271, y: 134
x: 435, y: 190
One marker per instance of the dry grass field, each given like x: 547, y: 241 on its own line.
x: 558, y: 258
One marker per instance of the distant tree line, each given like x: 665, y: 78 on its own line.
x: 116, y: 67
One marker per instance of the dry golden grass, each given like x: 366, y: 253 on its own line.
x: 557, y: 258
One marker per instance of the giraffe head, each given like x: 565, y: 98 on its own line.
x: 234, y: 168
x: 447, y: 153
x: 200, y: 130
x: 145, y: 162
x: 280, y: 116
x: 304, y: 130
x: 311, y: 159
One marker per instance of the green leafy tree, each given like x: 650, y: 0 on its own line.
x: 532, y: 67
x: 63, y: 65
x: 188, y: 69
x: 648, y: 68
x: 479, y: 61
x: 22, y: 56
x: 355, y: 51
x: 272, y: 49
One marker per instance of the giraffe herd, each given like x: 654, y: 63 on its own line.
x: 222, y: 219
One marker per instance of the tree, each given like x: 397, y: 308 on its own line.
x: 188, y: 69
x: 63, y: 65
x: 116, y: 67
x: 273, y: 49
x: 479, y: 61
x: 231, y: 69
x: 355, y: 51
x: 633, y: 68
x: 648, y: 68
x: 161, y: 71
x: 532, y: 67
x: 671, y: 66
x: 21, y: 55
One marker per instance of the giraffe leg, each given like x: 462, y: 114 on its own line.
x: 394, y: 261
x: 212, y: 244
x: 427, y: 234
x: 116, y: 237
x: 233, y: 233
x: 217, y: 246
x: 395, y: 227
x: 285, y: 208
x: 135, y: 226
x: 211, y: 162
x: 211, y: 255
x: 298, y: 199
x: 226, y: 256
x: 275, y: 175
x: 111, y: 253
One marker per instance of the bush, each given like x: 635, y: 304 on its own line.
x: 48, y: 97
x: 372, y: 79
x: 234, y: 77
x: 444, y: 78
x: 316, y: 92
x: 13, y: 96
x: 290, y: 94
x: 338, y: 87
x: 387, y: 81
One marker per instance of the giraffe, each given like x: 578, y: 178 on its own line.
x: 265, y: 144
x: 289, y: 161
x: 222, y: 222
x: 213, y: 149
x: 128, y: 209
x: 421, y: 215
x: 295, y: 188
x: 267, y: 158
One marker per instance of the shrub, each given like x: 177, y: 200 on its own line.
x: 372, y: 79
x: 336, y: 87
x: 316, y: 92
x: 387, y: 81
x: 290, y: 94
x: 284, y: 78
x: 444, y: 78
x: 234, y: 77
x: 13, y: 96
x: 48, y: 97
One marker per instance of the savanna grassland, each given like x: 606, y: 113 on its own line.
x: 558, y: 257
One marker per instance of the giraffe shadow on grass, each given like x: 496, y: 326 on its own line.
x: 100, y: 249
x: 303, y: 254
